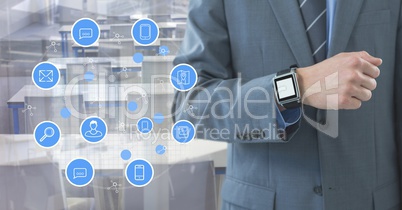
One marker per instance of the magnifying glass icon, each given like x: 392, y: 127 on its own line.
x: 47, y: 133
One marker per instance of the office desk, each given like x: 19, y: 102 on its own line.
x: 88, y: 91
x: 119, y: 64
x: 16, y: 149
x: 108, y: 164
x: 160, y: 66
x: 66, y: 29
x: 106, y: 155
x: 152, y: 47
x: 178, y: 17
x: 76, y: 48
x: 20, y: 149
x: 101, y: 19
x: 167, y: 29
x: 136, y: 17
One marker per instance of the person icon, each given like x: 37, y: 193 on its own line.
x: 93, y: 133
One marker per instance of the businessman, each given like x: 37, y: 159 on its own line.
x: 324, y: 133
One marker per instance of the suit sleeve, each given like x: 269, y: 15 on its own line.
x: 222, y: 106
x: 398, y: 90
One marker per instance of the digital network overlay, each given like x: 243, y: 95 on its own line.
x: 80, y: 171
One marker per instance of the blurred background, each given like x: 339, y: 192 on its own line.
x: 187, y: 176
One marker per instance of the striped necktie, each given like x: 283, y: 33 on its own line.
x: 315, y: 20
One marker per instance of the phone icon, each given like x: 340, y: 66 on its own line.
x: 145, y: 31
x: 139, y: 172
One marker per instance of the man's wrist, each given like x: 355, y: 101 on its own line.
x: 301, y: 79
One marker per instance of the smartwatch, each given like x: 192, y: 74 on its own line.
x: 287, y: 89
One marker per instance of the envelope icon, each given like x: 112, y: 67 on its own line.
x: 45, y: 75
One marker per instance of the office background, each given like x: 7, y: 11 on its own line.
x: 186, y: 176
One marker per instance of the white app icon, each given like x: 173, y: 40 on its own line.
x: 145, y: 31
x: 45, y: 76
x: 139, y: 172
x: 183, y: 77
x: 183, y: 132
x: 85, y: 33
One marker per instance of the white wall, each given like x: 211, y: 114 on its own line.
x: 11, y: 19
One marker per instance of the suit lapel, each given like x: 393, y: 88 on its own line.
x: 346, y: 15
x: 291, y: 23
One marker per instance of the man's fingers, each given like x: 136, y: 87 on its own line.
x: 362, y: 94
x: 349, y: 103
x: 370, y: 69
x: 371, y: 59
x: 368, y: 82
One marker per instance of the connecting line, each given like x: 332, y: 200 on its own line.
x: 29, y: 108
x: 144, y: 97
x: 124, y: 69
x: 53, y: 45
x: 90, y: 61
x: 190, y: 109
x: 117, y: 36
x: 121, y: 127
x: 115, y: 186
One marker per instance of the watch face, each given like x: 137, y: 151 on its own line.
x: 285, y: 88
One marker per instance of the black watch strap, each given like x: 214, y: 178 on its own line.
x: 285, y: 71
x: 292, y: 105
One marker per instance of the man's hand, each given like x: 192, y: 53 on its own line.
x: 341, y: 82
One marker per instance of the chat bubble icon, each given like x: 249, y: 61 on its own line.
x: 85, y: 33
x: 79, y: 172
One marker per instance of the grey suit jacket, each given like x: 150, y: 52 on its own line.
x: 351, y: 162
